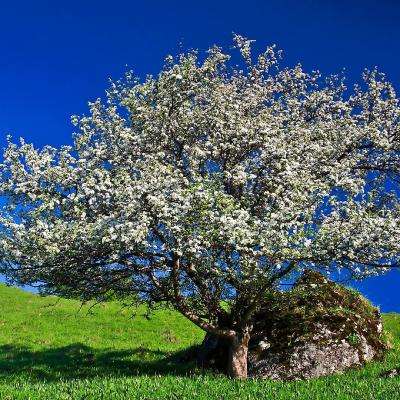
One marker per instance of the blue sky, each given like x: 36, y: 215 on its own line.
x: 57, y: 55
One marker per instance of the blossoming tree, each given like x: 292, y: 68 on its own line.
x: 206, y: 186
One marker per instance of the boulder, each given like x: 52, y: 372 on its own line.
x: 317, y: 328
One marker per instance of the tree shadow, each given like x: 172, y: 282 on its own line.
x: 78, y: 361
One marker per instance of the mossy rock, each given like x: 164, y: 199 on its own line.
x: 317, y: 328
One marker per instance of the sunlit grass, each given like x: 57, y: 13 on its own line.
x: 50, y: 349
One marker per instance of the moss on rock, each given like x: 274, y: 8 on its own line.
x: 316, y: 328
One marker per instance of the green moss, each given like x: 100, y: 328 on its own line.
x: 315, y: 301
x: 353, y: 339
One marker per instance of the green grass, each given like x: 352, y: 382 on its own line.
x: 51, y: 350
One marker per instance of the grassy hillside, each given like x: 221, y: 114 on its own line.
x: 50, y: 349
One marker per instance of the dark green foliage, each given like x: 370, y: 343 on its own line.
x: 314, y: 301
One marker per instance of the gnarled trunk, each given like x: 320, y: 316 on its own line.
x: 237, y: 362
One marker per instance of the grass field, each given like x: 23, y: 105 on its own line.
x: 49, y: 349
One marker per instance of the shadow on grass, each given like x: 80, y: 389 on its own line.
x: 78, y: 361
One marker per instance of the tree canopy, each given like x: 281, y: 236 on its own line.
x: 208, y: 184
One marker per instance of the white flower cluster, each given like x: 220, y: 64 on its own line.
x: 240, y: 174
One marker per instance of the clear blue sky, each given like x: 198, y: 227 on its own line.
x: 57, y: 55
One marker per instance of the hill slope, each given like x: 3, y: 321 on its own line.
x: 52, y: 349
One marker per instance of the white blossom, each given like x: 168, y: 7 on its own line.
x: 239, y: 176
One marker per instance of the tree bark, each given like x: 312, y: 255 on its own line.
x: 237, y: 362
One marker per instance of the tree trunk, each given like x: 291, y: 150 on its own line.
x: 237, y: 362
